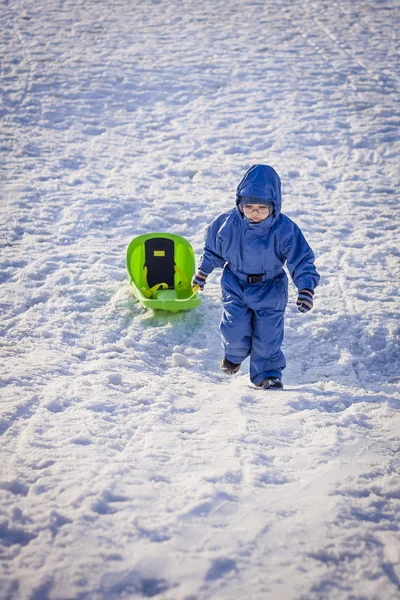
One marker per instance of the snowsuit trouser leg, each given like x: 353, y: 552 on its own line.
x: 267, y: 358
x: 236, y: 324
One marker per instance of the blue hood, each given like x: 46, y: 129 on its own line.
x: 261, y: 181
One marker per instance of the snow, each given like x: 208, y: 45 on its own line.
x: 179, y: 359
x: 130, y: 466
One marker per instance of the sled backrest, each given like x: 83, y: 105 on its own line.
x: 159, y: 262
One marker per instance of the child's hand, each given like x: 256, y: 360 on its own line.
x: 305, y: 300
x: 199, y: 279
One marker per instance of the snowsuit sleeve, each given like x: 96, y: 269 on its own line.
x: 300, y: 260
x: 211, y: 257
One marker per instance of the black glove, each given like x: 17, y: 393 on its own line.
x: 305, y: 300
x: 199, y: 278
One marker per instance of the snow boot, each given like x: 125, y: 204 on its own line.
x: 228, y: 367
x: 271, y: 383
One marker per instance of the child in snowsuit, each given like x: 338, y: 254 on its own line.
x: 252, y: 242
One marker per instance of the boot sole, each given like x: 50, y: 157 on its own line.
x: 229, y: 372
x: 270, y: 387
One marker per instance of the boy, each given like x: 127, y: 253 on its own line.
x: 252, y: 242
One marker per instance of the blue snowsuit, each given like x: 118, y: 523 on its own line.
x: 254, y: 284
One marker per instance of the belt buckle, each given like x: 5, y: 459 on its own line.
x: 254, y: 278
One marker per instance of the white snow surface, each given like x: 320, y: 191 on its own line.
x: 130, y: 466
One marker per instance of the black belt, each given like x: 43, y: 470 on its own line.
x: 268, y: 276
x: 255, y: 278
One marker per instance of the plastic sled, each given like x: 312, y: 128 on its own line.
x: 160, y: 270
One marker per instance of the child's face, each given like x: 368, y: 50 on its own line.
x: 256, y: 212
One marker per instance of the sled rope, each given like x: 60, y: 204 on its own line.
x: 182, y: 274
x: 196, y: 287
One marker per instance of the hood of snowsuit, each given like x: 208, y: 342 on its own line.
x: 262, y: 182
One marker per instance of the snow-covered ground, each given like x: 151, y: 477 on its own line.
x: 124, y: 475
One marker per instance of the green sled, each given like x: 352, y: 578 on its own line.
x: 160, y: 270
